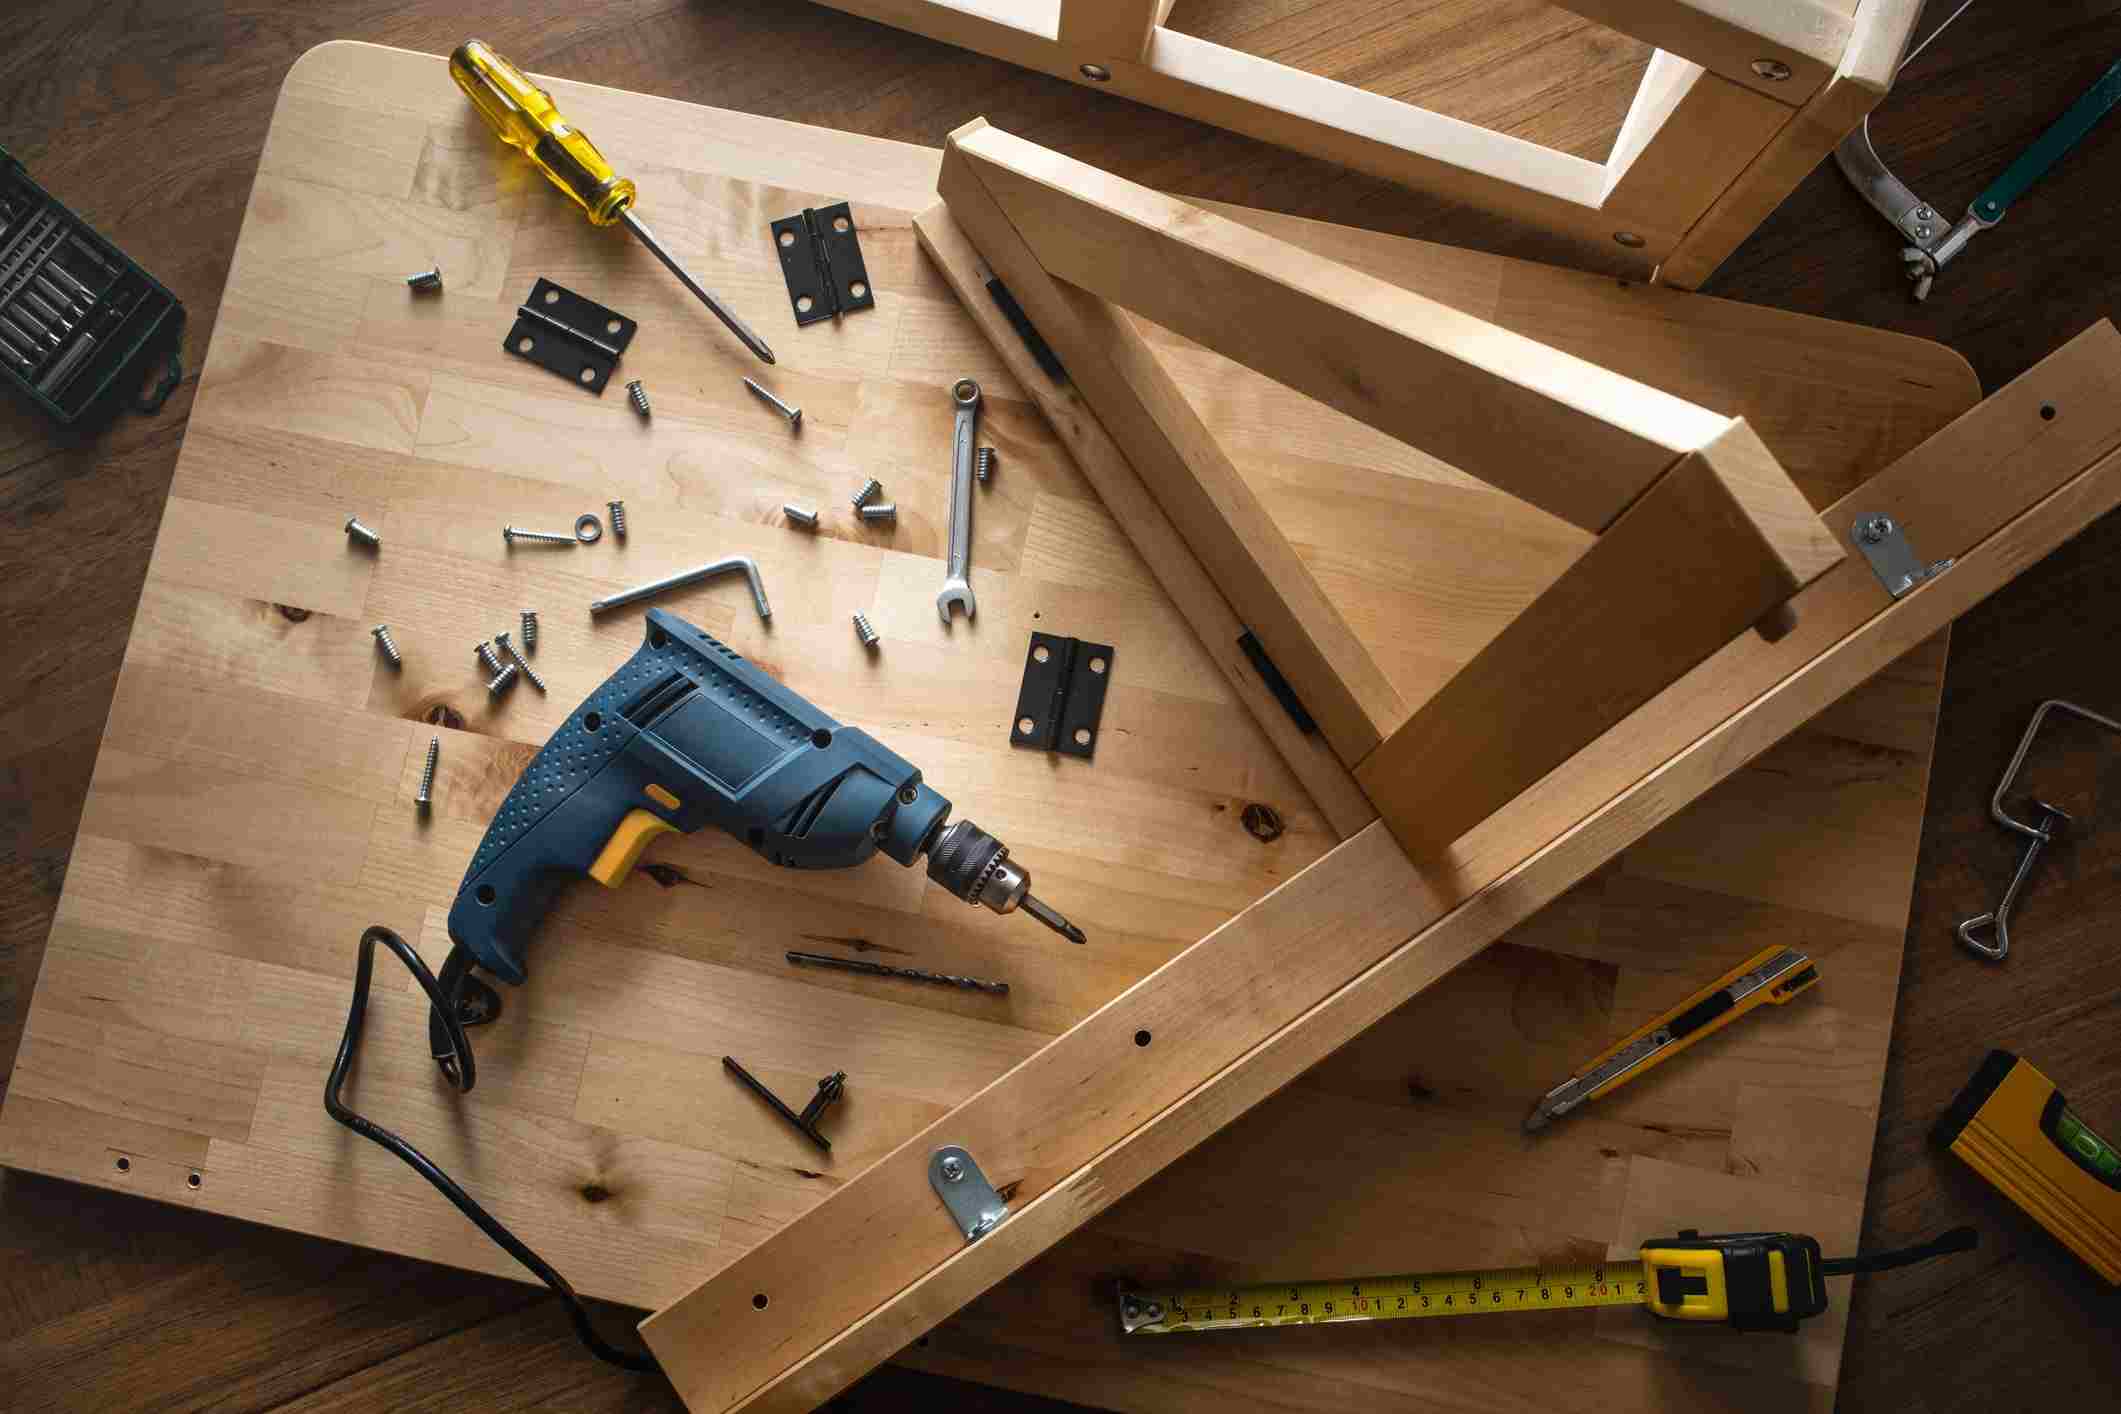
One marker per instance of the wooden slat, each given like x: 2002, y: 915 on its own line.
x: 1688, y: 136
x: 1860, y: 81
x: 1415, y: 369
x: 1997, y: 489
x: 1171, y: 555
x: 1103, y: 30
x: 1681, y: 572
x: 1192, y: 479
x: 1729, y: 36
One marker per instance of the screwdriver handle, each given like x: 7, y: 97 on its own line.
x: 523, y: 116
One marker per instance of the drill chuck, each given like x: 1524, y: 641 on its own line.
x: 975, y: 866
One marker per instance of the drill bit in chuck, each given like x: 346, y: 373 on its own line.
x: 975, y: 866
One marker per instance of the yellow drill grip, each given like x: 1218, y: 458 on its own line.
x: 524, y: 117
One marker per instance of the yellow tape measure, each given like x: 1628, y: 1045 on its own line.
x: 1215, y: 1308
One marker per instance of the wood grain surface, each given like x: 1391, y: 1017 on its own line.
x: 108, y: 1280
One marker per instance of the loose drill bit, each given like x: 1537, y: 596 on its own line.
x: 911, y: 974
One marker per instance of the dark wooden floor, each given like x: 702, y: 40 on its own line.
x: 148, y: 116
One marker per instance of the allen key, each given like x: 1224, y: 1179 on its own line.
x: 2050, y: 822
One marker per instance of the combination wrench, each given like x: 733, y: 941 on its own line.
x: 957, y: 588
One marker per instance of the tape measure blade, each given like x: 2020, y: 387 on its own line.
x: 1171, y: 1311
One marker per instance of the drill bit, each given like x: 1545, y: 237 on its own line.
x: 1045, y: 914
x: 911, y: 974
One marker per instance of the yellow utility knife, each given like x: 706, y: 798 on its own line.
x: 1773, y: 975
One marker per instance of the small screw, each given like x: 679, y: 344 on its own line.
x: 1924, y: 213
x: 1922, y: 233
x: 1773, y: 70
x: 1876, y: 529
x: 361, y: 534
x: 426, y: 797
x: 953, y: 1169
x: 638, y: 396
x: 501, y: 681
x: 513, y: 533
x: 488, y: 657
x: 871, y: 489
x: 1096, y: 73
x: 388, y: 646
x: 530, y: 629
x: 428, y: 281
x: 618, y: 517
x: 528, y: 671
x: 880, y: 510
x: 794, y: 415
x: 1629, y: 239
x: 983, y: 465
x: 798, y: 515
x: 864, y: 632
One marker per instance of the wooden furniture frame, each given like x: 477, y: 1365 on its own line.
x: 1741, y: 99
x: 1646, y: 687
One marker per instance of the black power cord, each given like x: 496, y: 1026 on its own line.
x: 457, y: 1066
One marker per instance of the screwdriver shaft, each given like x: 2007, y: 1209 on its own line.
x: 721, y: 311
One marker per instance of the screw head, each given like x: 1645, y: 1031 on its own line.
x: 1923, y: 233
x: 1629, y: 239
x: 1096, y: 73
x: 1773, y: 70
x: 1876, y: 529
x: 953, y: 1169
x: 1924, y: 213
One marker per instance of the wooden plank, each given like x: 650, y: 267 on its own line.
x: 1185, y: 468
x: 724, y: 1355
x: 1688, y: 136
x: 1115, y: 29
x: 2019, y: 490
x: 1169, y: 554
x: 1860, y: 82
x: 1681, y: 573
x: 1331, y: 332
x: 1728, y: 37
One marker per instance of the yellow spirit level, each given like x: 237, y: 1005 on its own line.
x: 2013, y: 1126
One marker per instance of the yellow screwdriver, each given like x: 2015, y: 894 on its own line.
x: 525, y: 118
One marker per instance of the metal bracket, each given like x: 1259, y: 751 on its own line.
x: 1891, y: 558
x: 1283, y: 692
x: 821, y: 258
x: 1063, y: 697
x: 574, y: 337
x: 974, y: 1205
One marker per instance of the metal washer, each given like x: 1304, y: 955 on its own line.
x: 588, y: 529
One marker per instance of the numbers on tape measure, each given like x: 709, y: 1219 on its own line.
x: 1389, y: 1298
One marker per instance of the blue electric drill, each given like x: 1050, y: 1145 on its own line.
x: 687, y: 733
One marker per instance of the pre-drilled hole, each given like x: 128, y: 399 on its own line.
x: 193, y: 1180
x: 485, y: 894
x: 1141, y: 1038
x: 758, y: 1301
x: 592, y: 721
x: 2047, y: 412
x: 125, y: 1165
